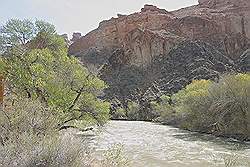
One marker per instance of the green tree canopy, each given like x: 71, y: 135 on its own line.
x: 19, y: 32
x: 37, y: 66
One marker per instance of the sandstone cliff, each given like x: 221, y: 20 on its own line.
x: 155, y: 51
x: 151, y: 32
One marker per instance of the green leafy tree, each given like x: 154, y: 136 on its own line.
x: 16, y: 33
x: 38, y: 67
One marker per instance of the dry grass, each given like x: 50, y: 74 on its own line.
x: 29, y: 138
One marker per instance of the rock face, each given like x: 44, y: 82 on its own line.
x: 244, y: 61
x: 223, y: 3
x: 224, y: 24
x: 76, y: 36
x: 167, y: 74
x: 155, y: 50
x: 191, y: 60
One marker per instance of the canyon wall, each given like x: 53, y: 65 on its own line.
x: 154, y: 51
x: 151, y: 32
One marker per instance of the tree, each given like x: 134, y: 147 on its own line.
x: 17, y: 33
x: 38, y: 67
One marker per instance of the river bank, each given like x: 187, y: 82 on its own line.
x: 218, y: 107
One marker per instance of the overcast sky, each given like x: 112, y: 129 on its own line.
x: 78, y: 15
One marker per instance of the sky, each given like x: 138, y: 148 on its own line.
x: 78, y: 15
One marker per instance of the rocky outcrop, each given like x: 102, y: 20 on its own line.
x: 76, y: 36
x: 222, y: 23
x: 167, y: 74
x: 156, y: 51
x: 191, y: 60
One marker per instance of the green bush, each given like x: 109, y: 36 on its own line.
x: 231, y: 105
x: 163, y: 108
x: 133, y: 112
x: 220, y: 107
x: 192, y: 103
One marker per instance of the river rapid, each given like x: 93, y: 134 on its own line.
x: 153, y: 145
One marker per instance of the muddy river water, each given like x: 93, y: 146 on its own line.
x: 152, y: 145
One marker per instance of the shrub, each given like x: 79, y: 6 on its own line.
x: 115, y: 157
x: 133, y: 111
x: 29, y: 137
x: 25, y: 116
x: 47, y: 151
x: 163, y: 108
x: 230, y: 108
x: 221, y: 108
x: 193, y: 102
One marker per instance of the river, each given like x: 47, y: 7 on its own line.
x: 153, y: 145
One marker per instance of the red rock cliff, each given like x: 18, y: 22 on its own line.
x: 152, y: 32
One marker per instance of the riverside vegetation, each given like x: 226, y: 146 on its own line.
x: 220, y: 108
x: 48, y: 91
